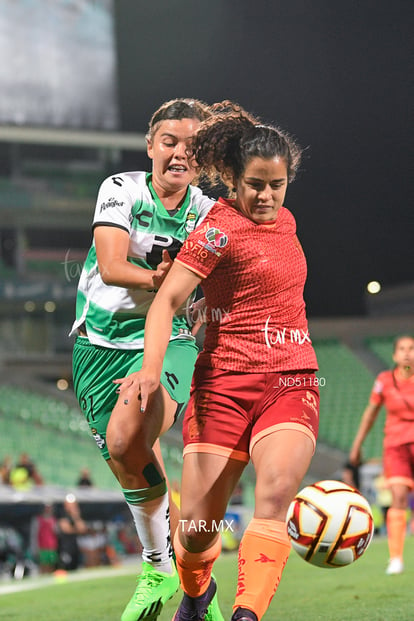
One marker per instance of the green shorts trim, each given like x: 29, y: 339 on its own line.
x: 95, y: 367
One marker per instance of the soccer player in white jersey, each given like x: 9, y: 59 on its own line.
x: 141, y: 220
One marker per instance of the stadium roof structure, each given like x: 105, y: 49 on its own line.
x: 73, y: 138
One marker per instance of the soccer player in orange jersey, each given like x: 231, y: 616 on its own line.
x: 254, y: 395
x: 395, y: 390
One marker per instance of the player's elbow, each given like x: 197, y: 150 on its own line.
x: 109, y: 275
x: 108, y: 279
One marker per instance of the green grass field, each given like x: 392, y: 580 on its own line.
x: 359, y: 592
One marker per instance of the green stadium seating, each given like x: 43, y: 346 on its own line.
x: 345, y: 386
x: 55, y: 436
x: 382, y: 346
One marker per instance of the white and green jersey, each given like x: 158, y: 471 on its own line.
x: 115, y: 316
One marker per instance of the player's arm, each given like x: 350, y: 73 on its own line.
x: 111, y: 245
x: 369, y: 417
x: 178, y: 285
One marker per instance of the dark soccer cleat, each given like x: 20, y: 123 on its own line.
x: 195, y: 608
x: 243, y: 614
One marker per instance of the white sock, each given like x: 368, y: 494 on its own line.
x: 152, y: 522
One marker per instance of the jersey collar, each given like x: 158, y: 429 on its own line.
x: 158, y: 202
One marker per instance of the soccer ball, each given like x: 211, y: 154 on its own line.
x: 330, y: 524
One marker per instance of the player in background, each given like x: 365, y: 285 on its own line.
x: 252, y: 268
x: 395, y: 390
x: 141, y: 220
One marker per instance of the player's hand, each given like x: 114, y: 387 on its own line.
x: 162, y: 269
x: 355, y: 456
x: 139, y: 385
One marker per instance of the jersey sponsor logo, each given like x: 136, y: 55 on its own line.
x: 100, y: 441
x: 190, y: 222
x: 110, y: 204
x: 216, y: 238
x: 173, y: 245
x: 304, y: 419
x: 197, y: 248
x: 241, y: 581
x: 172, y: 379
x: 142, y: 218
x: 310, y: 401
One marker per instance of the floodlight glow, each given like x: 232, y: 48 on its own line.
x: 62, y: 384
x: 373, y: 287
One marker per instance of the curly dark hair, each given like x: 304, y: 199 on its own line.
x: 231, y: 137
x: 176, y: 110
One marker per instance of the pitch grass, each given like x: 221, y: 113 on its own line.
x: 361, y: 591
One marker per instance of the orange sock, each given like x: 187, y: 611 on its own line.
x: 263, y: 552
x: 396, y: 527
x: 194, y: 568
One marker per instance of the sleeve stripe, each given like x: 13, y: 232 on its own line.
x: 191, y: 268
x: 117, y: 226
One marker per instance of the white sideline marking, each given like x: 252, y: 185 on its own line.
x: 39, y: 582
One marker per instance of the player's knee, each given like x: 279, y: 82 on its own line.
x: 196, y: 536
x: 122, y: 443
x: 274, y: 496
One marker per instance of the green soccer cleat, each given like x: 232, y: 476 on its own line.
x: 154, y: 588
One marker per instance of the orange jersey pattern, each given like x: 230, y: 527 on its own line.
x: 254, y: 275
x: 396, y: 394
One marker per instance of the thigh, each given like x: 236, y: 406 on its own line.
x: 94, y: 369
x: 208, y: 481
x: 283, y: 440
x: 281, y: 460
x: 398, y: 463
x: 128, y: 423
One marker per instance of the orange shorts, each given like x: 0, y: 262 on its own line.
x: 398, y: 463
x: 229, y: 412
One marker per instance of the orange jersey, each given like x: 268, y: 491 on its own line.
x: 397, y: 396
x: 253, y: 280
